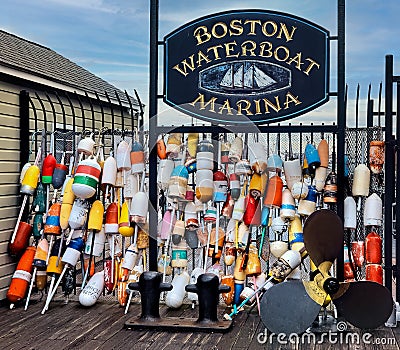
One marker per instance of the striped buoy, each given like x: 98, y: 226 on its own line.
x: 86, y: 178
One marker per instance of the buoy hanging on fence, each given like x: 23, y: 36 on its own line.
x: 178, y: 182
x: 293, y: 173
x: 139, y: 208
x: 178, y: 232
x: 373, y: 211
x: 86, y: 145
x: 299, y: 190
x: 86, y: 178
x: 348, y: 270
x: 161, y: 148
x: 78, y: 216
x: 376, y: 156
x: 307, y: 205
x: 373, y: 248
x: 374, y: 272
x: 361, y: 181
x: 288, y: 208
x: 59, y: 174
x: 49, y: 163
x: 23, y: 172
x: 205, y: 155
x: 330, y: 189
x: 204, y: 185
x: 253, y: 266
x: 192, y: 141
x: 274, y: 163
x: 131, y: 186
x: 320, y: 178
x: 21, y: 241
x: 234, y: 186
x: 252, y: 213
x: 358, y: 253
x: 167, y: 224
x: 52, y: 225
x: 257, y: 158
x: 312, y: 157
x: 273, y: 192
x: 165, y: 168
x: 242, y: 167
x: 137, y: 158
x: 21, y: 277
x: 220, y: 186
x: 174, y: 298
x: 109, y: 175
x: 123, y: 156
x: 111, y: 220
x: 257, y: 185
x: 30, y: 180
x: 129, y: 261
x: 124, y: 225
x: 296, y: 239
x: 93, y: 289
x: 350, y: 213
x: 174, y: 143
x: 323, y: 153
x: 68, y: 197
x: 225, y: 148
x: 236, y: 150
x: 190, y: 215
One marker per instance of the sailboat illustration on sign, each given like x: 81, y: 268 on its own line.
x: 253, y: 78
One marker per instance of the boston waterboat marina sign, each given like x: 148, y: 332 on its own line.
x: 252, y: 65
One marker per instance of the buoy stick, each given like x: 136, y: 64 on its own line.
x: 217, y: 229
x: 59, y: 250
x: 167, y: 244
x: 50, y: 246
x: 207, y: 248
x: 112, y: 253
x: 90, y: 261
x: 30, y: 288
x: 53, y: 292
x: 129, y: 302
x: 257, y: 297
x: 71, y: 232
x: 19, y: 218
x: 46, y: 305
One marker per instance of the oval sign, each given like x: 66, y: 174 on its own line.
x: 247, y: 66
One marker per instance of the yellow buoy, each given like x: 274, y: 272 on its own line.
x: 96, y: 216
x: 124, y: 224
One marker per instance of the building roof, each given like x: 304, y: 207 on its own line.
x: 29, y: 57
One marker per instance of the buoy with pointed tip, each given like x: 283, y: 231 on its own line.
x: 312, y: 157
x: 52, y: 225
x: 373, y: 211
x: 124, y: 225
x: 236, y: 150
x: 123, y: 156
x: 350, y: 213
x: 137, y: 158
x: 86, y: 145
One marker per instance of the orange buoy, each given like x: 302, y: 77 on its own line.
x: 21, y: 240
x: 273, y: 192
x: 323, y: 152
x: 22, y: 276
x: 52, y: 225
x: 374, y: 272
x: 161, y: 149
x: 373, y: 248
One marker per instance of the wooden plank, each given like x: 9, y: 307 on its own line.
x: 8, y: 212
x: 9, y: 178
x: 5, y: 281
x: 9, y: 109
x: 9, y: 189
x: 6, y: 259
x: 10, y: 97
x: 9, y: 161
x: 9, y: 120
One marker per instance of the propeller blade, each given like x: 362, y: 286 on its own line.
x: 291, y: 307
x: 365, y: 304
x: 323, y: 236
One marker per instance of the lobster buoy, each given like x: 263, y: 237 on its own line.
x: 230, y: 253
x: 193, y: 297
x: 274, y: 163
x: 174, y: 143
x: 96, y: 213
x: 330, y: 189
x: 293, y: 173
x: 39, y: 202
x: 252, y: 213
x: 30, y: 180
x: 361, y: 181
x: 307, y: 205
x: 124, y: 225
x: 178, y: 232
x: 253, y: 267
x: 323, y: 153
x: 93, y: 289
x: 234, y: 185
x: 265, y: 218
x: 376, y: 156
x: 21, y: 241
x: 358, y: 253
x: 273, y: 192
x: 22, y: 276
x: 350, y: 213
x: 299, y: 190
x: 296, y: 240
x: 109, y: 176
x: 373, y: 248
x: 227, y: 208
x: 190, y: 215
x: 257, y: 185
x: 86, y: 146
x: 73, y: 251
x: 220, y: 186
x: 79, y: 214
x: 130, y: 259
x: 348, y: 270
x: 59, y: 175
x: 23, y: 172
x: 86, y: 178
x: 131, y: 186
x: 243, y: 235
x: 179, y: 254
x: 278, y: 248
x: 38, y: 225
x: 67, y: 203
x: 312, y: 157
x: 242, y: 167
x: 239, y: 208
x: 236, y: 149
x: 123, y: 156
x: 257, y: 158
x: 288, y: 208
x: 225, y: 148
x: 139, y: 208
x: 98, y: 243
x: 137, y: 158
x: 204, y: 185
x: 279, y: 226
x: 192, y: 141
x: 221, y: 237
x: 167, y: 224
x: 165, y: 168
x: 205, y: 156
x: 49, y: 163
x: 178, y: 182
x: 373, y: 211
x: 374, y: 272
x: 111, y: 221
x: 53, y: 267
x: 40, y: 257
x: 174, y: 298
x: 320, y: 178
x: 52, y: 225
x: 161, y: 149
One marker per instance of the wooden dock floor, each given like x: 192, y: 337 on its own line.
x: 72, y: 326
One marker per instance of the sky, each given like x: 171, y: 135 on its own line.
x: 110, y: 38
